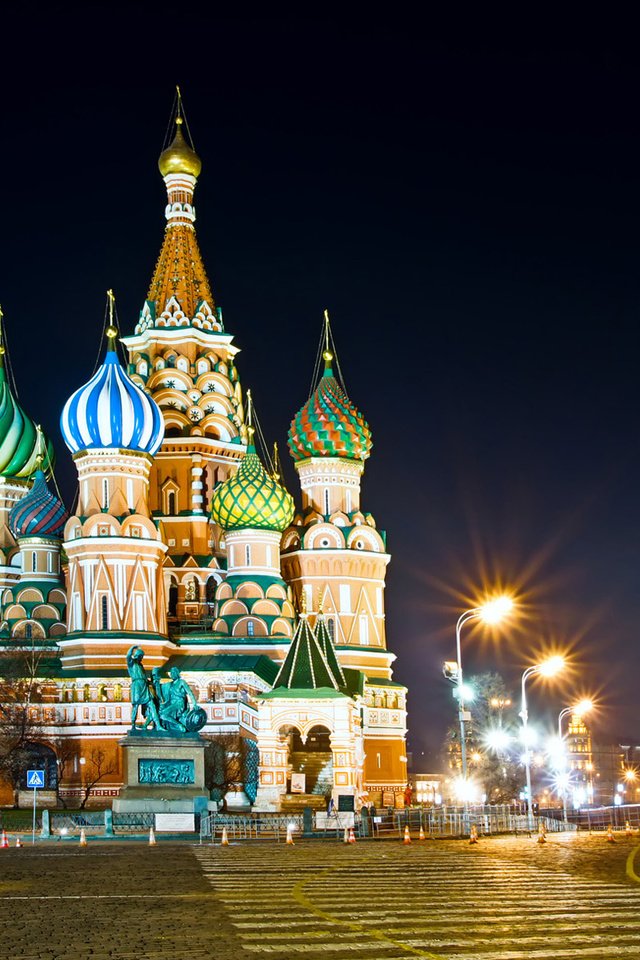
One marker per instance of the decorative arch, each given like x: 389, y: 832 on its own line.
x: 30, y: 595
x: 276, y: 592
x: 250, y: 590
x: 242, y: 628
x: 224, y: 591
x: 324, y: 536
x: 265, y: 608
x: 233, y: 608
x: 57, y: 596
x: 364, y: 538
x: 45, y: 612
x: 281, y: 628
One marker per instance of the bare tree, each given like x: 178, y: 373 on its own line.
x: 229, y: 761
x: 96, y: 768
x: 23, y: 671
x: 66, y: 751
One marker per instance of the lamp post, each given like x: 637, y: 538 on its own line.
x: 548, y: 668
x: 491, y: 612
x: 578, y: 710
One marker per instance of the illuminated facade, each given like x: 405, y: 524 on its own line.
x: 182, y: 542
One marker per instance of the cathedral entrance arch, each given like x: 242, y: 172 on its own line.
x: 311, y: 756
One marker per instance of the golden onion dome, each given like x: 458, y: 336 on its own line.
x: 179, y: 157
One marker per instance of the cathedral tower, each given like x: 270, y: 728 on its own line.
x: 253, y: 509
x: 115, y: 551
x: 183, y: 357
x: 333, y: 551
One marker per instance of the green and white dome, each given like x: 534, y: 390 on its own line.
x: 251, y: 499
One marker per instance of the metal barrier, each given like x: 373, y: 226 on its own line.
x: 133, y: 822
x: 89, y: 821
x: 264, y: 826
x: 601, y: 818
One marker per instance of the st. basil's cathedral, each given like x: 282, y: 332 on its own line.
x: 183, y: 541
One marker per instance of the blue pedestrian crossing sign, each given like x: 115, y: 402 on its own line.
x: 35, y: 778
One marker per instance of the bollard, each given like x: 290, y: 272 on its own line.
x: 345, y: 838
x: 83, y: 838
x: 224, y: 840
x: 152, y: 837
x: 407, y: 835
x: 108, y: 823
x: 290, y: 835
x: 610, y: 836
x: 352, y: 836
x: 421, y: 834
x: 542, y: 833
x: 45, y: 832
x: 473, y: 834
x: 18, y: 842
x: 5, y: 840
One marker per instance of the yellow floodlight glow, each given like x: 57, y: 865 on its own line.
x: 552, y: 666
x: 496, y: 609
x: 582, y: 707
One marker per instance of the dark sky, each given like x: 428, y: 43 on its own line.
x: 468, y: 211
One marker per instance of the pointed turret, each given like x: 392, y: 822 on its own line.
x: 326, y: 645
x: 305, y: 666
x: 180, y: 289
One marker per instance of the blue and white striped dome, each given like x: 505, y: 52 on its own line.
x: 111, y: 411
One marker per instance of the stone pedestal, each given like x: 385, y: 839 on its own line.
x: 163, y: 773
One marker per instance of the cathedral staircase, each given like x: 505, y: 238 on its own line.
x: 318, y: 770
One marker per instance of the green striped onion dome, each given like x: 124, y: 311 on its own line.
x: 329, y: 425
x: 19, y: 444
x: 251, y: 499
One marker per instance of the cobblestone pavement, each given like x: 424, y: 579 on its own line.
x: 504, y: 899
x: 499, y: 900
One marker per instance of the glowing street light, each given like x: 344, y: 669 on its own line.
x: 577, y: 710
x: 497, y: 740
x: 548, y: 668
x: 492, y: 611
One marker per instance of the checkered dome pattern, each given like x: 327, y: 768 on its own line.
x: 329, y: 425
x: 252, y: 500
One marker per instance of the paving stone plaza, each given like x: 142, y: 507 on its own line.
x: 504, y: 899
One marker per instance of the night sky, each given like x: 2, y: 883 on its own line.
x: 467, y: 211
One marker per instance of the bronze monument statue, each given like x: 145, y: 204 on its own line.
x: 170, y: 706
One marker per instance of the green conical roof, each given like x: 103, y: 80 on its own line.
x: 19, y: 443
x: 305, y: 666
x: 326, y: 645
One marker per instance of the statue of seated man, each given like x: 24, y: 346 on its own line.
x: 175, y: 699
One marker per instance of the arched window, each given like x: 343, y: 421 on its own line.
x: 331, y: 627
x: 117, y: 691
x: 105, y: 494
x: 34, y: 561
x: 28, y: 630
x: 247, y: 555
x: 326, y: 502
x: 104, y: 612
x: 171, y: 503
x: 251, y: 628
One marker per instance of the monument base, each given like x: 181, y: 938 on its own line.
x: 163, y: 773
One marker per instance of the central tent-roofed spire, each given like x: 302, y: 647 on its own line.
x: 180, y: 293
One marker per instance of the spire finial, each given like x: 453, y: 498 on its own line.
x: 327, y: 355
x: 320, y: 603
x: 41, y: 447
x: 111, y: 331
x: 303, y: 604
x: 1, y: 337
x: 277, y: 466
x: 250, y: 427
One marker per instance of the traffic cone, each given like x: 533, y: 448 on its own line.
x: 542, y: 833
x: 224, y: 840
x: 18, y: 842
x: 5, y: 840
x: 345, y: 838
x: 628, y: 829
x: 610, y: 836
x: 152, y: 837
x: 407, y: 835
x: 421, y: 834
x: 473, y: 834
x: 290, y: 835
x: 83, y: 838
x: 352, y: 836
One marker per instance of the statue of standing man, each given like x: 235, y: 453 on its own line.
x: 142, y: 694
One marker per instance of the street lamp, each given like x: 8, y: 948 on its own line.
x: 548, y: 668
x: 577, y: 710
x: 490, y: 612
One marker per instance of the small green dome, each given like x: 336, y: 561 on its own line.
x: 251, y: 499
x: 19, y: 443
